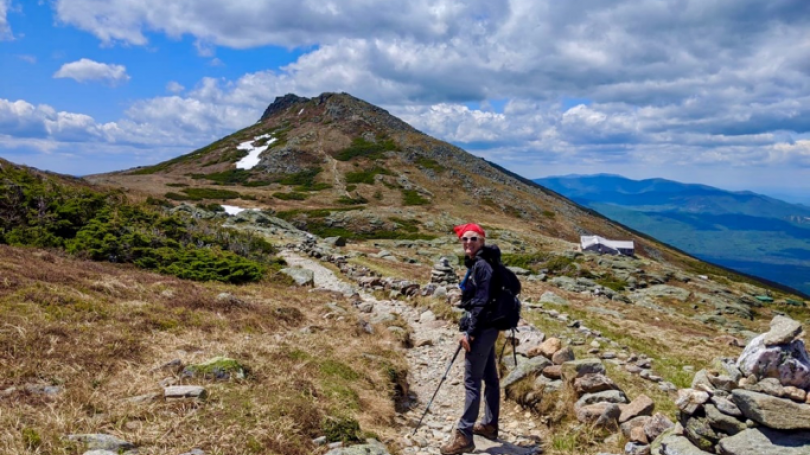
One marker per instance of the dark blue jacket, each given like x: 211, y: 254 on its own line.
x: 475, y: 292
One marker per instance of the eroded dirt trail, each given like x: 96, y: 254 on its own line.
x: 426, y: 365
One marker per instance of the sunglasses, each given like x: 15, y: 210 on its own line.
x: 469, y: 239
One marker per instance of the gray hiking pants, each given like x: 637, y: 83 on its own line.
x: 480, y: 364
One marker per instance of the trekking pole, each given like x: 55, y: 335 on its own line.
x: 449, y: 364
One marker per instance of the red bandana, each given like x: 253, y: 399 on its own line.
x: 461, y: 229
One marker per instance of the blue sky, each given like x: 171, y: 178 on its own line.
x: 710, y: 91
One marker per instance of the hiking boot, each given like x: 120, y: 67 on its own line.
x: 460, y: 444
x: 488, y: 431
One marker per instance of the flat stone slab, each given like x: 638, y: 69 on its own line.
x: 100, y: 441
x: 302, y: 277
x: 765, y: 441
x: 679, y: 445
x: 524, y: 369
x: 783, y: 331
x: 184, y: 391
x: 778, y: 413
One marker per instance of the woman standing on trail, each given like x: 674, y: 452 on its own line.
x: 478, y: 340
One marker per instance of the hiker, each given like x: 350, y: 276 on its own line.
x: 478, y: 340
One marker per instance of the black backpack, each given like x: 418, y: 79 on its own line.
x: 504, y: 305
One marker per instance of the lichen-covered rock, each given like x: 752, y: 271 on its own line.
x: 772, y: 412
x: 579, y: 368
x: 765, y: 441
x: 100, y: 441
x: 656, y: 425
x: 642, y: 405
x: 221, y: 368
x: 524, y: 369
x: 689, y: 400
x: 371, y: 447
x: 592, y: 383
x: 787, y: 361
x: 302, y: 277
x: 677, y: 445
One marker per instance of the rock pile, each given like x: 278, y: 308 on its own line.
x: 757, y: 405
x: 547, y: 376
x: 443, y: 273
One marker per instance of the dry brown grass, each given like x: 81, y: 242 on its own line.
x: 101, y: 332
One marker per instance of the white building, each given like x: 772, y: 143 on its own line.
x: 605, y: 246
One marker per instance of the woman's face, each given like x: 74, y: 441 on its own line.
x: 472, y: 241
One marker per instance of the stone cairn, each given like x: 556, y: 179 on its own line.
x: 756, y: 405
x: 443, y: 273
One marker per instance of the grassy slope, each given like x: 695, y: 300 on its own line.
x: 100, y: 330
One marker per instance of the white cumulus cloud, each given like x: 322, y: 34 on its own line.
x: 174, y: 87
x: 5, y: 28
x: 88, y: 70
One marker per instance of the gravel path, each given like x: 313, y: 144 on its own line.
x: 426, y: 366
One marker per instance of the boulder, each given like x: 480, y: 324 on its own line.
x: 335, y: 241
x: 642, y: 405
x: 592, y: 412
x: 787, y: 362
x: 726, y: 406
x: 302, y: 277
x: 550, y: 347
x: 690, y: 400
x: 656, y: 425
x: 524, y: 369
x: 722, y: 422
x: 607, y: 396
x: 638, y: 422
x: 550, y: 297
x: 179, y: 392
x: 609, y: 419
x: 700, y: 433
x: 636, y: 448
x: 220, y: 368
x: 101, y: 441
x: 765, y: 441
x: 371, y: 447
x: 579, y: 368
x: 783, y: 331
x: 565, y: 354
x: 678, y: 445
x: 553, y: 371
x: 772, y: 412
x: 592, y: 383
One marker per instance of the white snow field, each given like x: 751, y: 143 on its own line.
x: 232, y: 209
x: 252, y: 158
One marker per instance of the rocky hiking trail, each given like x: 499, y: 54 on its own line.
x: 435, y: 341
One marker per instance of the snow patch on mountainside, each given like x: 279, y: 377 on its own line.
x: 252, y: 158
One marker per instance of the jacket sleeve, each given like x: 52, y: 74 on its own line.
x: 482, y: 277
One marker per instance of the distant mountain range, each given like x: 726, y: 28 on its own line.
x: 745, y: 231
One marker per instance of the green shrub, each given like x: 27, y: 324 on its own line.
x: 365, y: 149
x: 31, y: 439
x: 177, y: 196
x: 341, y: 429
x: 290, y: 196
x: 177, y: 185
x: 44, y: 212
x: 351, y: 188
x: 366, y: 176
x: 412, y: 197
x: 345, y: 200
x: 429, y: 163
x: 303, y: 178
x: 198, y: 194
x: 229, y: 177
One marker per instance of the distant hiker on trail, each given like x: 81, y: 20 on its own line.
x: 478, y: 340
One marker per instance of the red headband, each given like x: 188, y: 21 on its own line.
x: 461, y: 229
